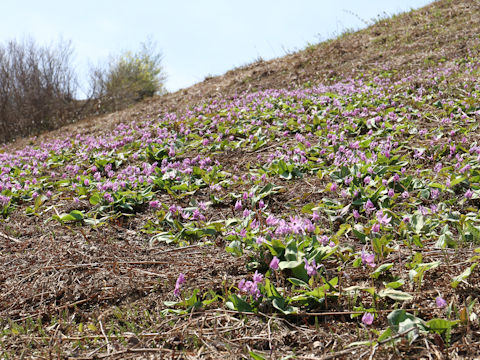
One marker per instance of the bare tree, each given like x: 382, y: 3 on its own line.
x: 37, y: 87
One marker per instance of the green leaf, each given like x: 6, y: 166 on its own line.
x: 441, y: 325
x: 76, y: 215
x: 395, y: 294
x: 95, y: 199
x: 281, y: 305
x: 238, y: 304
x: 396, y: 317
x: 464, y: 275
x: 39, y: 200
x: 380, y: 270
x: 289, y: 264
x: 395, y: 284
x: 256, y: 356
x: 385, y: 335
x: 272, y: 291
x: 298, y: 282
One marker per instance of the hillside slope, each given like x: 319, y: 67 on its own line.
x: 321, y: 205
x: 442, y: 31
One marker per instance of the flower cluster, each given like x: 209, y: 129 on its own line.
x: 251, y: 287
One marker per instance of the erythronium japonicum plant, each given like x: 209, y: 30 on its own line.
x: 348, y: 197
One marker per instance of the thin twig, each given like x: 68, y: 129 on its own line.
x: 10, y: 238
x: 104, y: 335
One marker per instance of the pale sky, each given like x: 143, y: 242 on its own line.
x: 197, y: 38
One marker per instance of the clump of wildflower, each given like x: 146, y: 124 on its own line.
x: 108, y: 197
x: 251, y: 287
x: 368, y: 259
x: 311, y: 268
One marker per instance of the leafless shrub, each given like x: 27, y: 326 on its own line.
x: 37, y: 88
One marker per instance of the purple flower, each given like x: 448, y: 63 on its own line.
x: 274, y: 263
x: 468, y: 194
x: 271, y: 220
x: 311, y: 268
x: 367, y: 318
x: 261, y: 204
x: 260, y: 240
x: 324, y: 240
x: 391, y: 193
x: 257, y: 277
x: 315, y: 216
x: 309, y: 225
x: 441, y: 303
x: 369, y: 207
x: 154, y: 204
x: 296, y: 225
x: 356, y: 214
x: 333, y: 187
x: 368, y: 259
x: 383, y: 218
x: 180, y: 281
x: 238, y: 205
x: 376, y: 228
x: 251, y: 287
x: 405, y: 194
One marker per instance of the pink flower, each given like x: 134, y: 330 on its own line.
x: 311, y: 268
x: 468, y: 194
x: 441, y: 303
x: 260, y: 240
x: 376, y: 228
x: 369, y: 207
x: 356, y: 214
x: 368, y: 259
x: 180, y: 281
x: 238, y: 205
x: 154, y: 204
x: 383, y: 218
x: 274, y: 263
x: 257, y: 277
x: 367, y: 318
